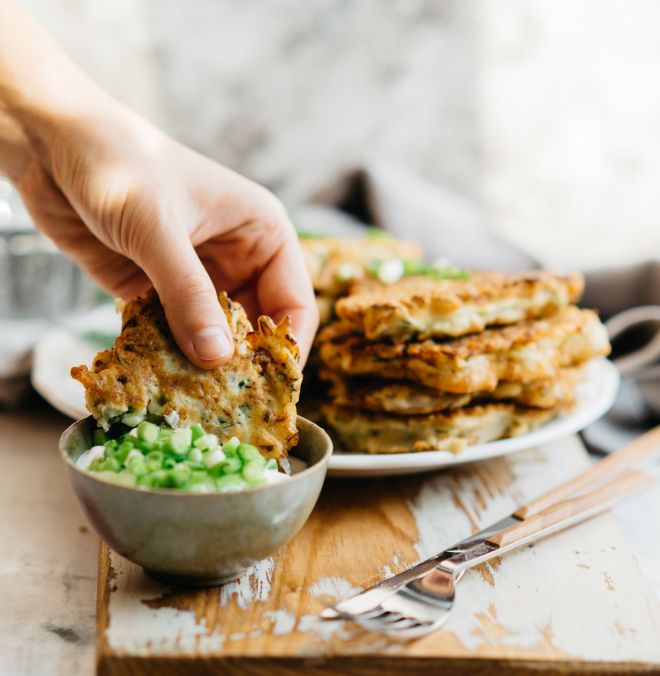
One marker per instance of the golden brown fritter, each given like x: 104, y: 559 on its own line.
x: 423, y: 307
x: 145, y: 375
x: 334, y: 263
x: 406, y: 398
x: 526, y: 351
x: 368, y: 432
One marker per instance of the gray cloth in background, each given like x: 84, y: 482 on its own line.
x: 621, y: 288
x: 449, y: 226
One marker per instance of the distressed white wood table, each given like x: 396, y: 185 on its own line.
x: 576, y: 601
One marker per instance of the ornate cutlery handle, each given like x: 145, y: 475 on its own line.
x: 643, y: 448
x: 574, y: 509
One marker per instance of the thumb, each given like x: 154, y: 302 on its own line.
x: 191, y: 303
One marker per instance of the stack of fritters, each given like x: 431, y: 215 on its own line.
x: 439, y: 364
x: 334, y: 264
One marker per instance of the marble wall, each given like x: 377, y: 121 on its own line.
x: 545, y: 112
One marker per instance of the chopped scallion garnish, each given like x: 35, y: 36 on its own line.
x: 188, y: 459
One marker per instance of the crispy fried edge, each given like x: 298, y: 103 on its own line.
x: 241, y: 330
x: 362, y: 393
x: 532, y: 417
x: 412, y: 361
x: 372, y: 311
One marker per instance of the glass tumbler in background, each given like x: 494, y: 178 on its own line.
x: 36, y: 280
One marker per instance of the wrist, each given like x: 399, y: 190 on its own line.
x: 52, y: 129
x: 29, y: 132
x: 55, y: 113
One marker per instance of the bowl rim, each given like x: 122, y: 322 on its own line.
x: 321, y: 464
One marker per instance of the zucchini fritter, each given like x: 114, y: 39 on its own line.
x: 145, y: 375
x: 526, y: 351
x: 405, y: 398
x: 423, y: 307
x: 368, y: 432
x: 334, y: 263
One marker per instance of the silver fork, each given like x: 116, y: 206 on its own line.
x: 418, y: 601
x: 423, y: 604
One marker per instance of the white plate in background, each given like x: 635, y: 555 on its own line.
x: 69, y: 345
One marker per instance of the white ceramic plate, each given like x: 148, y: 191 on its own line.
x: 63, y: 347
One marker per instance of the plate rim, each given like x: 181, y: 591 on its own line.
x: 42, y: 387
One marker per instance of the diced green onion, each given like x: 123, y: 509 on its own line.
x: 208, y: 442
x: 187, y: 459
x: 132, y: 419
x: 214, y: 458
x: 252, y: 472
x: 136, y: 465
x: 153, y: 460
x: 159, y: 478
x: 181, y: 474
x: 145, y: 480
x: 374, y: 233
x: 122, y: 452
x: 95, y: 465
x: 148, y: 432
x: 437, y: 270
x: 348, y: 271
x: 248, y: 452
x: 231, y: 446
x: 144, y: 446
x: 133, y: 453
x: 390, y: 271
x: 231, y: 465
x: 197, y: 431
x: 109, y: 465
x: 195, y: 455
x: 180, y: 441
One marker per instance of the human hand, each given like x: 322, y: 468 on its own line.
x: 135, y: 208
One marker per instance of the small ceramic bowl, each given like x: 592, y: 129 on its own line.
x: 199, y: 539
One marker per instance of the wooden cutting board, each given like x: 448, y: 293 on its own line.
x: 574, y: 602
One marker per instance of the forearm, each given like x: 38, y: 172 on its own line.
x: 40, y: 88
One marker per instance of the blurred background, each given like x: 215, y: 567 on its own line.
x: 544, y: 113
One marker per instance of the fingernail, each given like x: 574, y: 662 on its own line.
x: 211, y: 343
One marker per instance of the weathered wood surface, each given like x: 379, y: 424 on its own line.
x: 576, y: 601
